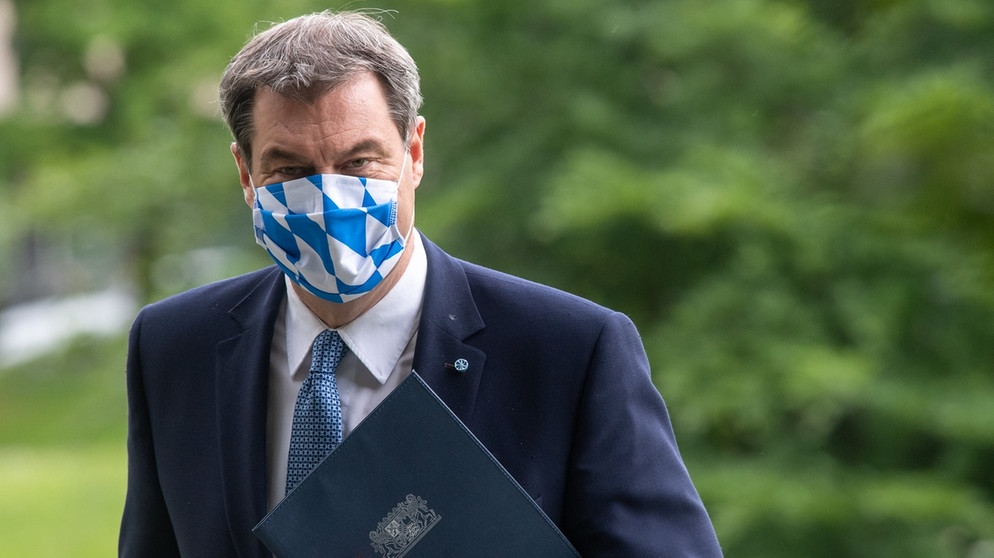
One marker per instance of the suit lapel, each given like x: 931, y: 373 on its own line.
x: 242, y: 385
x: 452, y: 367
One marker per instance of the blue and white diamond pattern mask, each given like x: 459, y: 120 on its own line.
x: 335, y: 235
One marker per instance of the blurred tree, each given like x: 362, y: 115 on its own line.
x: 793, y: 200
x: 118, y: 149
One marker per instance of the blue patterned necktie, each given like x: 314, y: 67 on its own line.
x: 317, y: 418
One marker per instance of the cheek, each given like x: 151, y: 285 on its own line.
x: 405, y: 207
x: 249, y: 194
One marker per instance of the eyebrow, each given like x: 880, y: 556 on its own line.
x: 370, y: 145
x: 366, y: 146
x: 278, y: 154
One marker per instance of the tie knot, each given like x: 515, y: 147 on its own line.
x: 327, y: 352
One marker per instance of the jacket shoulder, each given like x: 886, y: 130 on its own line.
x: 513, y: 293
x: 219, y: 296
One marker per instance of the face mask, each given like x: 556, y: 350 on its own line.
x: 335, y: 235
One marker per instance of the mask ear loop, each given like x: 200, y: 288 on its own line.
x: 255, y: 192
x: 410, y: 229
x: 403, y: 167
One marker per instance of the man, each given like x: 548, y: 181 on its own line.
x: 330, y: 150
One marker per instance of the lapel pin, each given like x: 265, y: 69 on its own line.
x: 460, y: 365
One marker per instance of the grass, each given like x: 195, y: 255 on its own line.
x: 59, y: 502
x: 63, y: 462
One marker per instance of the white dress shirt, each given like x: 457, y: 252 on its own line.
x: 380, y: 356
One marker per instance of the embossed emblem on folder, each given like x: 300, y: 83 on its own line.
x: 403, y: 527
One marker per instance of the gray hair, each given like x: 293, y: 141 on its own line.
x: 308, y: 56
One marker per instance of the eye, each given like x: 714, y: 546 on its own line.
x: 357, y: 163
x: 290, y: 173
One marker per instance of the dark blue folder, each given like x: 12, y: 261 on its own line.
x: 411, y: 480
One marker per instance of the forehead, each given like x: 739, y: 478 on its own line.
x: 353, y: 112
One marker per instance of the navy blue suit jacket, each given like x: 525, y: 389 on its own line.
x: 557, y: 388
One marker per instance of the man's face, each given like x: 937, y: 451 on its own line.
x: 346, y: 131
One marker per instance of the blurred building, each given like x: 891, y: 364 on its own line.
x: 8, y: 59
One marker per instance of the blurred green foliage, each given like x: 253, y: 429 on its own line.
x: 792, y: 199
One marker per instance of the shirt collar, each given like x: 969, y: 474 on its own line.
x: 379, y: 335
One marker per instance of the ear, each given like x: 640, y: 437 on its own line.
x: 417, y: 151
x: 244, y: 175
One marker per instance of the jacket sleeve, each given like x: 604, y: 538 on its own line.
x: 146, y: 530
x: 628, y: 492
